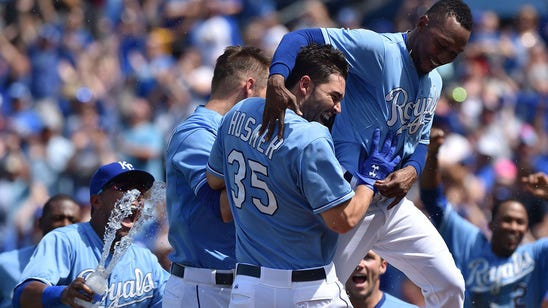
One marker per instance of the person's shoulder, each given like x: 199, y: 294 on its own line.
x: 392, y: 301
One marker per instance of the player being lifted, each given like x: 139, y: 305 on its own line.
x: 392, y: 85
x: 288, y: 196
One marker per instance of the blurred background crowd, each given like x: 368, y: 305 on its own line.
x: 87, y: 82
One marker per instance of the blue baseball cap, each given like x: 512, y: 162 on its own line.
x: 118, y: 171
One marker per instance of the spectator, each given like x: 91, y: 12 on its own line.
x: 60, y: 210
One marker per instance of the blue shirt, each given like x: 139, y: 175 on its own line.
x: 197, y: 233
x: 383, y: 90
x: 73, y: 251
x: 389, y: 301
x: 279, y: 188
x: 516, y: 281
x: 12, y: 264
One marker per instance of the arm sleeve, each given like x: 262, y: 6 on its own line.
x: 418, y: 158
x: 435, y: 204
x: 290, y: 45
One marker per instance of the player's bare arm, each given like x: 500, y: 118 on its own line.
x: 278, y: 98
x: 217, y: 183
x: 32, y: 294
x: 537, y: 184
x: 431, y: 177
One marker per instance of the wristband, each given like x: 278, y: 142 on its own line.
x: 52, y: 295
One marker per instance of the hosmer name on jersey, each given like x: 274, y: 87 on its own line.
x: 412, y: 115
x: 484, y: 277
x: 244, y: 127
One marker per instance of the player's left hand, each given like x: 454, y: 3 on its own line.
x: 76, y: 289
x: 397, y: 184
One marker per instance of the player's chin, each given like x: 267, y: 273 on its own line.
x: 327, y: 120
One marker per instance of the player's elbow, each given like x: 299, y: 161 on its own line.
x: 216, y: 183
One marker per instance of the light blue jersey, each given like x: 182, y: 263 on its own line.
x: 74, y: 251
x: 383, y: 90
x: 197, y: 233
x: 12, y: 264
x: 492, y: 281
x: 278, y: 188
x: 389, y: 301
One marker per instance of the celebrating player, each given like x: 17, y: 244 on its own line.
x: 288, y: 196
x: 363, y: 286
x: 55, y: 275
x: 203, y: 257
x: 500, y: 272
x: 59, y: 211
x: 392, y: 85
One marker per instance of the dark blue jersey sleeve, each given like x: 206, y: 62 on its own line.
x: 418, y: 158
x: 290, y: 45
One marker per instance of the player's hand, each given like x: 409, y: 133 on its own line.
x: 378, y: 164
x: 76, y: 289
x: 278, y: 98
x: 537, y: 184
x: 437, y: 138
x: 397, y: 184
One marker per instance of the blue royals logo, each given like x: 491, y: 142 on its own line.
x: 411, y: 114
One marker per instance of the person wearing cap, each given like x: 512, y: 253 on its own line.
x: 59, y: 211
x: 55, y: 275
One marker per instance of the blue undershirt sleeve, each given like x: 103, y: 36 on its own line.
x: 435, y: 203
x: 418, y: 158
x: 284, y: 57
x: 16, y: 300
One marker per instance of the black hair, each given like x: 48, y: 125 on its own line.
x: 499, y: 203
x: 318, y: 62
x: 53, y: 200
x: 446, y: 8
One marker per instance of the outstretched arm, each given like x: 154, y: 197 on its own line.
x: 278, y: 97
x: 430, y: 179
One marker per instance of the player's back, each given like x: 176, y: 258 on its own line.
x: 278, y: 187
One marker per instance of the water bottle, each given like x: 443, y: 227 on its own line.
x: 98, y: 284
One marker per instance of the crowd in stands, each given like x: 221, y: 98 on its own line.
x: 84, y: 83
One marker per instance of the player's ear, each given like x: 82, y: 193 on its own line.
x: 305, y: 85
x: 423, y: 22
x: 383, y: 266
x: 249, y: 87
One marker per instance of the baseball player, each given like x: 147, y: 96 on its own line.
x: 392, y: 85
x: 363, y: 286
x: 59, y: 211
x: 56, y: 272
x: 288, y: 196
x: 203, y: 244
x: 499, y: 272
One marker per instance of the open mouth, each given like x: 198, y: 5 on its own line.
x: 359, y: 279
x: 128, y: 221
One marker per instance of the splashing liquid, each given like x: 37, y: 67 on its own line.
x: 98, y: 280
